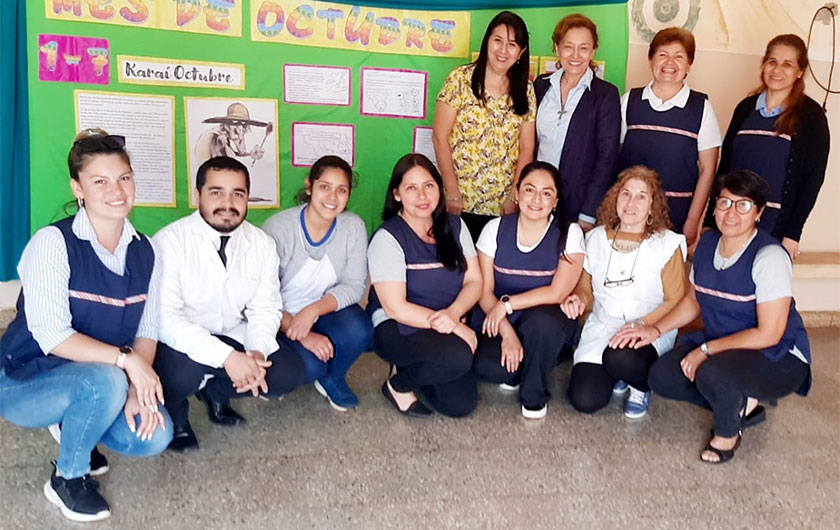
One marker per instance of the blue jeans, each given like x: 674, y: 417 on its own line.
x: 350, y: 331
x: 88, y: 400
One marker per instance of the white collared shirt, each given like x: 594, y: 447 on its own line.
x: 200, y: 297
x: 44, y: 272
x: 552, y: 126
x: 708, y: 137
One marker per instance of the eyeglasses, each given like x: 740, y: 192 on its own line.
x: 114, y: 141
x: 624, y: 281
x: 741, y: 206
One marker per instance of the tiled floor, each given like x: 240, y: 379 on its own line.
x: 298, y: 464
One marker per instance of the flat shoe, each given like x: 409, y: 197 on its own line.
x: 723, y: 455
x: 755, y: 417
x: 416, y: 410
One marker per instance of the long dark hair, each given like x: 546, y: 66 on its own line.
x: 518, y: 73
x: 788, y: 120
x: 322, y: 164
x: 448, y: 250
x: 559, y: 211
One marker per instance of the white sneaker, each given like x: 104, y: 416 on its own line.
x: 535, y: 414
x: 637, y: 404
x: 504, y: 387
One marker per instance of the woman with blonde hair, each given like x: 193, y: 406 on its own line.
x: 633, y: 274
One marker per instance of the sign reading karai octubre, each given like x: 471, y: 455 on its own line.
x: 175, y: 72
x: 355, y: 27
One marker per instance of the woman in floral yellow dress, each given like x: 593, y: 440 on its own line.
x: 484, y: 125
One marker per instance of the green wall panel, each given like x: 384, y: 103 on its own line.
x: 379, y: 141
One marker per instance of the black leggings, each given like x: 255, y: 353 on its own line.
x: 542, y: 331
x: 438, y: 365
x: 725, y: 380
x: 591, y: 384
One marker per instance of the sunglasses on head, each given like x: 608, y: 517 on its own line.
x: 113, y: 141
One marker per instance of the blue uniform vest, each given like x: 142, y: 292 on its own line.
x: 515, y: 271
x: 757, y: 147
x: 665, y: 142
x: 727, y: 298
x: 427, y: 282
x: 103, y: 305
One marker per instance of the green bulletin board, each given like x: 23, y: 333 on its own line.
x: 379, y: 141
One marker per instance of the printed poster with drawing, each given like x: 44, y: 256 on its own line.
x: 311, y: 141
x: 393, y: 93
x: 242, y: 128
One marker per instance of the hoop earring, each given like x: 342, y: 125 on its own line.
x: 80, y: 202
x: 650, y: 219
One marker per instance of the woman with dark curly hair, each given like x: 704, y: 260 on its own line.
x: 633, y: 275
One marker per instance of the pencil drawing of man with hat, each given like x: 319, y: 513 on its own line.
x: 228, y: 139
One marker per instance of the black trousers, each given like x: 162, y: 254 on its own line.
x: 590, y: 386
x: 180, y: 377
x: 542, y: 330
x: 475, y: 223
x: 725, y: 380
x: 437, y: 365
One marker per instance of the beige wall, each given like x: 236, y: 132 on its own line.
x: 727, y: 73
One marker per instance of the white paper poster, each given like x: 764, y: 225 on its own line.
x: 241, y: 128
x: 316, y: 85
x: 393, y: 93
x: 423, y: 144
x: 148, y: 124
x: 311, y: 141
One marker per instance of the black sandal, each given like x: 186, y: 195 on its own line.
x: 723, y: 455
x: 416, y: 410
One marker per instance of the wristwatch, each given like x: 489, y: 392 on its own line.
x: 704, y: 349
x: 505, y: 299
x: 124, y: 351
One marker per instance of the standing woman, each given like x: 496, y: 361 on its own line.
x: 81, y: 347
x: 425, y: 278
x: 634, y: 273
x: 578, y: 120
x: 323, y: 269
x: 781, y: 134
x: 530, y: 261
x: 673, y: 130
x: 484, y: 125
x: 754, y: 345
